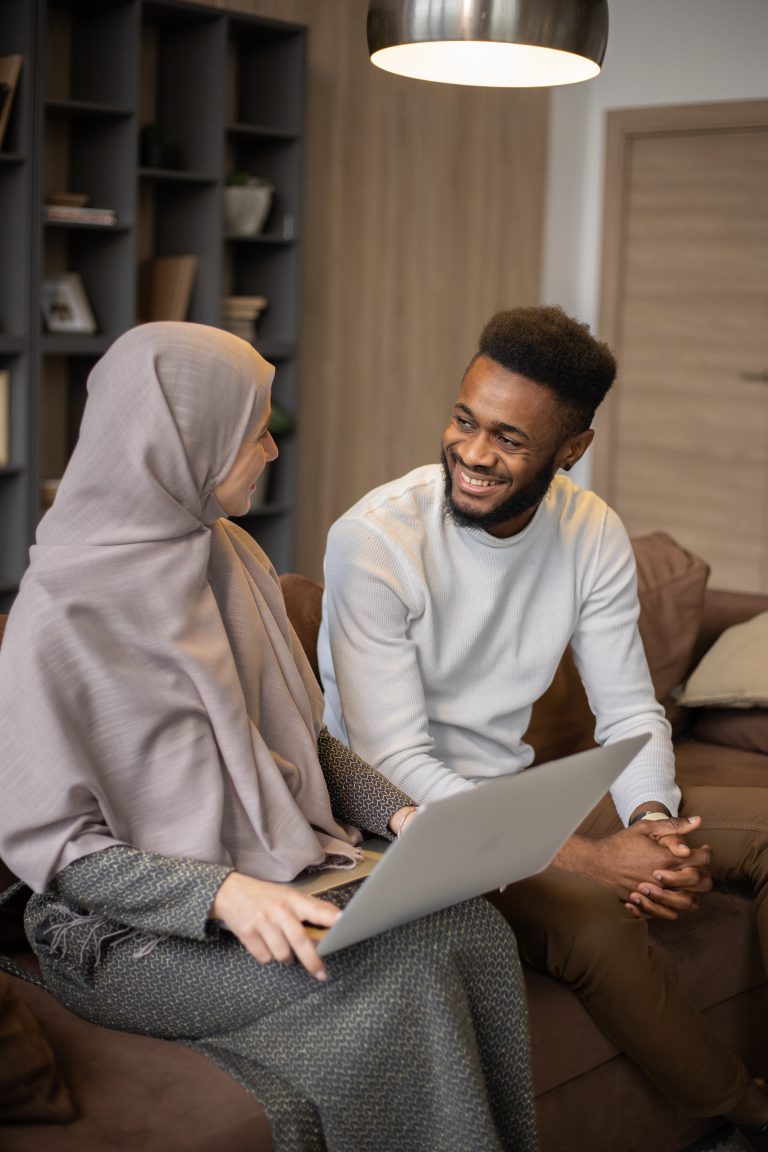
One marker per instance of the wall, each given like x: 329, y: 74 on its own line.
x: 423, y: 215
x: 659, y: 52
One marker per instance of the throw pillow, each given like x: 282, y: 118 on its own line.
x: 31, y: 1091
x: 734, y: 672
x: 670, y: 586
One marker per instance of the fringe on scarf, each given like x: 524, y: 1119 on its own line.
x: 100, y: 934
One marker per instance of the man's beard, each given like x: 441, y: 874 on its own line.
x: 521, y: 500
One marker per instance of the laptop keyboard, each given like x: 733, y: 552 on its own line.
x: 341, y: 895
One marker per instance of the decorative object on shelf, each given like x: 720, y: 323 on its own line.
x: 10, y: 67
x: 158, y: 148
x: 65, y: 304
x: 247, y: 200
x: 5, y: 417
x: 240, y: 313
x: 48, y: 490
x: 490, y: 43
x: 170, y: 283
x: 68, y: 199
x: 70, y: 208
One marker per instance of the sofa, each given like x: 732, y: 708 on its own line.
x: 69, y: 1085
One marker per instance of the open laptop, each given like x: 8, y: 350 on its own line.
x: 467, y: 844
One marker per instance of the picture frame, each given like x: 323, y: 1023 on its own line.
x: 65, y: 305
x: 10, y: 67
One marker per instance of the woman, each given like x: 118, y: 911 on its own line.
x: 160, y: 728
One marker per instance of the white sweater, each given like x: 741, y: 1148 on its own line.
x: 437, y: 640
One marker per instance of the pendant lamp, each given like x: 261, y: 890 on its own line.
x: 492, y: 43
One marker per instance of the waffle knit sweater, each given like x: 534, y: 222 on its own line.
x: 437, y: 640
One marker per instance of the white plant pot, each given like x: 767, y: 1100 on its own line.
x: 246, y: 207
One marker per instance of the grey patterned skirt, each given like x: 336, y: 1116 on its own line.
x: 418, y: 1041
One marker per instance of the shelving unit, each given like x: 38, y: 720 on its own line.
x: 226, y: 93
x: 17, y: 181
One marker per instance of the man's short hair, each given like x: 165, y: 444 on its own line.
x: 546, y: 345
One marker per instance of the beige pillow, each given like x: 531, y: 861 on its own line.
x: 734, y: 673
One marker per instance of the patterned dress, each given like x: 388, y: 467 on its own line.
x: 417, y: 1042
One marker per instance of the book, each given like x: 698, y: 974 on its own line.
x: 5, y: 417
x: 10, y: 67
x: 73, y: 215
x: 248, y: 305
x: 245, y: 329
x: 170, y: 283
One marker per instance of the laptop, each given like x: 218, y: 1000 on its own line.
x: 464, y: 845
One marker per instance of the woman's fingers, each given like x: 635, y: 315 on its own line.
x: 268, y: 920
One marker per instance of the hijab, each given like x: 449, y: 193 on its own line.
x: 152, y: 690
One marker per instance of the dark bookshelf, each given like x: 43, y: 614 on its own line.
x: 225, y: 92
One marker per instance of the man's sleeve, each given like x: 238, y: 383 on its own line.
x: 369, y: 664
x: 611, y: 661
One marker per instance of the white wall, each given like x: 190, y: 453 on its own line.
x: 659, y: 52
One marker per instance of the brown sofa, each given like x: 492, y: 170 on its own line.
x: 97, y: 1089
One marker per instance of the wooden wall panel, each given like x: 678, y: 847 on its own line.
x: 423, y: 215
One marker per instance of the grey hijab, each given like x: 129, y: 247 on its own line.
x: 152, y: 691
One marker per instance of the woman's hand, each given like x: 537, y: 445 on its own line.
x: 267, y: 920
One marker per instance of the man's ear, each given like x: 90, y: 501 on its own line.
x: 574, y: 448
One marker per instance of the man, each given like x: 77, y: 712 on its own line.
x: 451, y: 595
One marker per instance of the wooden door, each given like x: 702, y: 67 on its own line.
x: 683, y: 443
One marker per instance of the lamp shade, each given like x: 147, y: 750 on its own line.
x: 492, y: 43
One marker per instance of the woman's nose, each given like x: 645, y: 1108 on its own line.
x: 271, y: 448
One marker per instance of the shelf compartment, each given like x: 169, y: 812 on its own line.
x: 176, y: 176
x: 85, y: 109
x: 11, y: 345
x: 261, y: 132
x: 74, y: 344
x: 182, y: 82
x: 94, y: 156
x: 15, y: 231
x: 260, y: 238
x: 88, y: 226
x: 63, y: 395
x: 260, y: 54
x: 91, y: 60
x: 271, y: 271
x: 183, y: 219
x: 104, y: 259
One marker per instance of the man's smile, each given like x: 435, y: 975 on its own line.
x: 473, y: 484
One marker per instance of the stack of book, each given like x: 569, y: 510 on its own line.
x: 240, y: 313
x: 74, y: 214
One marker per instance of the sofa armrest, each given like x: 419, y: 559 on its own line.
x: 722, y: 609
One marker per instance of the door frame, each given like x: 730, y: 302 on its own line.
x: 623, y: 126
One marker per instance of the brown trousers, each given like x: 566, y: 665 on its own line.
x: 577, y: 929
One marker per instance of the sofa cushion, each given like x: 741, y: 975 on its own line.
x: 670, y: 586
x: 561, y: 720
x: 134, y: 1092
x: 733, y: 727
x: 713, y: 764
x: 31, y: 1089
x: 565, y: 1041
x: 304, y: 605
x: 734, y: 672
